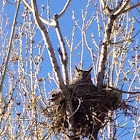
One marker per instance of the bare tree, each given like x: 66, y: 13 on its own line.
x: 40, y: 99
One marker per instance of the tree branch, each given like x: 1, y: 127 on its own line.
x: 112, y: 15
x: 64, y: 57
x: 8, y: 55
x: 122, y: 8
x: 49, y: 23
x: 103, y: 55
x: 105, y: 7
x: 48, y: 45
x: 126, y: 92
x: 132, y: 7
x: 64, y: 9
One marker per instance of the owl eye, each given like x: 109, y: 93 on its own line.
x: 80, y: 74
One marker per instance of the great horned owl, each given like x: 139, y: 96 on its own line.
x: 82, y: 76
x: 81, y: 82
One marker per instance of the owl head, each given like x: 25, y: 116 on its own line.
x: 84, y: 75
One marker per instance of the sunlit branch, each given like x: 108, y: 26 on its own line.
x: 82, y: 50
x: 122, y: 8
x: 10, y: 2
x: 112, y: 15
x: 92, y: 56
x: 76, y: 22
x: 64, y: 9
x: 103, y: 55
x: 48, y: 45
x: 49, y: 23
x: 134, y: 78
x: 105, y: 7
x: 48, y: 10
x: 104, y: 4
x: 132, y: 7
x: 9, y: 51
x: 70, y: 45
x: 63, y: 55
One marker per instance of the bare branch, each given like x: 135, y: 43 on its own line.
x: 48, y: 45
x: 70, y: 45
x: 104, y: 4
x: 103, y: 55
x: 132, y: 7
x: 49, y: 23
x: 127, y: 92
x: 112, y: 16
x: 9, y: 51
x: 105, y: 7
x: 64, y: 9
x: 64, y: 51
x: 122, y: 8
x: 92, y: 55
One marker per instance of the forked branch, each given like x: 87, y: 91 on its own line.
x: 49, y: 46
x: 49, y: 23
x: 63, y: 55
x: 64, y: 9
x: 112, y: 15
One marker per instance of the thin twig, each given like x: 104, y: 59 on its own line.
x: 64, y: 9
x: 122, y: 91
x: 9, y: 50
x: 132, y: 7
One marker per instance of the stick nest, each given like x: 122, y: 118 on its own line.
x: 83, y: 111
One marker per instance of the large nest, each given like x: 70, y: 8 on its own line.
x: 83, y: 112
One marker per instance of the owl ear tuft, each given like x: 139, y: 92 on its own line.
x: 89, y: 69
x: 77, y: 69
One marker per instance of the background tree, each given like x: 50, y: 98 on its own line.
x: 40, y: 45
